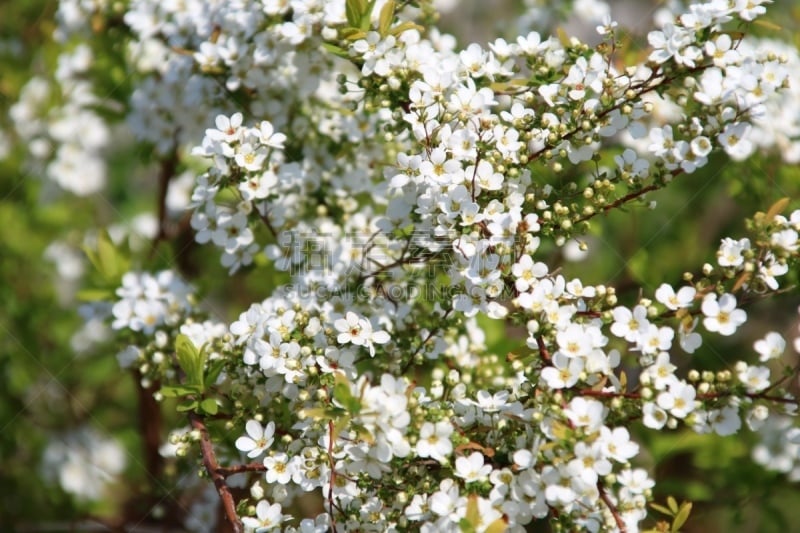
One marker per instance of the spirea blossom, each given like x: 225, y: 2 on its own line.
x: 411, y: 349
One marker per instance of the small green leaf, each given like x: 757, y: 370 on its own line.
x: 191, y: 360
x: 336, y: 50
x: 109, y: 262
x: 465, y: 526
x: 469, y: 523
x: 498, y: 526
x: 776, y: 209
x: 214, y: 370
x: 191, y: 406
x: 386, y: 18
x: 681, y: 517
x: 353, y: 10
x: 405, y: 26
x: 106, y: 253
x: 355, y: 35
x: 209, y: 406
x: 673, y: 505
x: 661, y: 509
x: 178, y: 391
x: 343, y: 395
x: 366, y: 15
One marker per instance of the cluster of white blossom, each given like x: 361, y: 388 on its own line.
x: 414, y: 191
x: 84, y: 462
x: 77, y: 163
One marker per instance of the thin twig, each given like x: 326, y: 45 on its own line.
x: 166, y: 172
x: 227, y: 471
x: 212, y: 467
x: 612, y: 508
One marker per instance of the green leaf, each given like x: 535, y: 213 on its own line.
x: 336, y: 50
x: 673, y: 504
x: 682, y: 516
x: 343, y: 395
x: 405, y: 26
x: 109, y: 262
x: 209, y: 406
x: 472, y: 519
x: 776, y: 209
x: 353, y: 10
x: 386, y: 18
x: 661, y: 509
x: 355, y: 35
x: 191, y: 360
x: 191, y: 406
x: 465, y: 526
x: 214, y: 369
x: 178, y: 391
x: 498, y: 526
x: 366, y: 15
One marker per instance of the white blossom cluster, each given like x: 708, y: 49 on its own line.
x: 84, y: 462
x: 416, y: 191
x: 77, y: 163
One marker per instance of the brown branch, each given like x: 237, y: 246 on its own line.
x: 166, y: 172
x: 265, y: 219
x: 332, y: 461
x: 212, y: 467
x: 620, y: 201
x: 227, y: 471
x: 612, y: 508
x: 150, y: 421
x: 542, y: 348
x: 705, y: 396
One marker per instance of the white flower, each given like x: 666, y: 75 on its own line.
x: 589, y: 463
x: 722, y: 316
x: 653, y: 416
x: 701, y: 146
x: 258, y: 439
x: 229, y: 130
x: 617, y: 444
x: 734, y: 140
x: 731, y: 252
x: 249, y: 157
x: 491, y: 403
x: 472, y: 468
x: 434, y: 440
x: 631, y: 165
x: 653, y: 339
x: 586, y: 413
x: 755, y: 378
x: 786, y: 239
x: 564, y: 373
x: 770, y: 347
x: 674, y: 301
x: 357, y: 330
x: 268, y: 517
x: 280, y: 468
x: 268, y: 137
x: 689, y: 339
x: 629, y: 324
x: 668, y: 42
x: 678, y: 399
x: 635, y: 481
x: 725, y: 421
x: 527, y: 272
x: 662, y: 372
